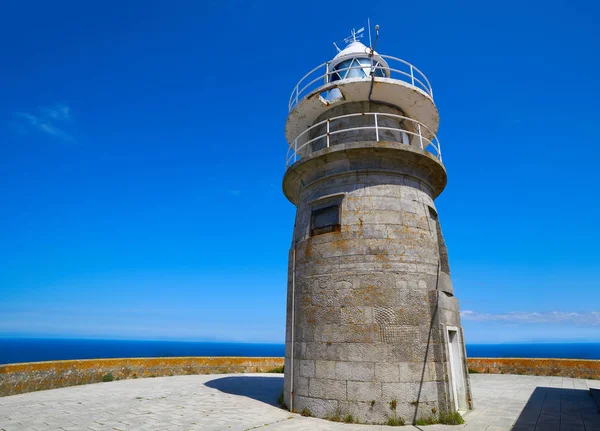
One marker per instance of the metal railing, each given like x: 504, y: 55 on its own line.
x: 397, y: 69
x: 420, y: 135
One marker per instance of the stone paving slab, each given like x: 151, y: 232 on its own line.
x: 247, y: 401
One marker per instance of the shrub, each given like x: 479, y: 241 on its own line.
x: 276, y: 370
x: 108, y: 377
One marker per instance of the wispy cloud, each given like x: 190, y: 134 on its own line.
x: 54, y: 121
x: 235, y: 192
x: 58, y: 112
x: 589, y: 318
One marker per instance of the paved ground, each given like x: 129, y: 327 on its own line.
x: 243, y: 402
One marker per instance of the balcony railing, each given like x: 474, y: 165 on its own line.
x: 413, y: 133
x: 397, y: 69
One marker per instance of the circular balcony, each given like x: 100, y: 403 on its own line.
x: 397, y: 69
x: 392, y: 81
x: 363, y: 126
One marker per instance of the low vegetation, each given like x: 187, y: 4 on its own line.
x: 349, y: 419
x: 335, y: 417
x: 276, y: 370
x: 449, y: 418
x: 427, y: 420
x: 395, y: 422
x: 108, y: 377
x: 281, y: 402
x: 306, y: 412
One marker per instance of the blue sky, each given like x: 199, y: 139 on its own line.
x: 143, y: 151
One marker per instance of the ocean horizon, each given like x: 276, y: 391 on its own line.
x: 18, y: 350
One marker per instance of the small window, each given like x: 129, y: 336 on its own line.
x: 432, y: 213
x: 324, y: 220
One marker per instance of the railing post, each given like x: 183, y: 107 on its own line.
x: 412, y: 75
x: 420, y: 136
x: 376, y: 128
x: 327, y: 133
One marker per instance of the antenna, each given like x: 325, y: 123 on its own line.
x: 376, y: 35
x: 337, y: 47
x: 369, y: 27
x: 354, y: 35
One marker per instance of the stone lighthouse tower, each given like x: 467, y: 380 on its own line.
x: 373, y: 327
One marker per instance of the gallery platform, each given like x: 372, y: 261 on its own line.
x: 249, y: 401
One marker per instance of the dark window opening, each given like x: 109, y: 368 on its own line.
x: 325, y: 220
x: 432, y: 213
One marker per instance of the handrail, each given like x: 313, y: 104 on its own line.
x: 427, y: 140
x: 412, y: 75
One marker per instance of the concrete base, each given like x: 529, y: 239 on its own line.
x: 247, y: 401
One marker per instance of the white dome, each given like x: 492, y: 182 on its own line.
x: 352, y: 50
x: 356, y: 49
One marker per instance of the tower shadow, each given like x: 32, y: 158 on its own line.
x: 558, y: 409
x: 260, y: 388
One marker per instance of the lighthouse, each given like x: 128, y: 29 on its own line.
x: 373, y: 326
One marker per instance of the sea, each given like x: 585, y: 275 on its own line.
x: 15, y: 350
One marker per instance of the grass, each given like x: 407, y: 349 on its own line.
x: 428, y: 420
x: 306, y: 412
x: 108, y: 377
x: 472, y: 371
x: 451, y: 418
x: 395, y: 422
x: 281, y: 402
x: 335, y: 417
x: 349, y: 419
x: 276, y: 370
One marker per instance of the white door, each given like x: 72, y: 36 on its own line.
x: 457, y: 370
